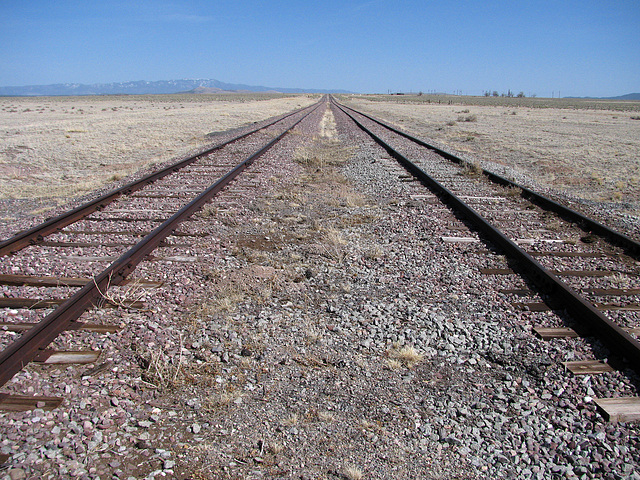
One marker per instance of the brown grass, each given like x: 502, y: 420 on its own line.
x: 407, y: 356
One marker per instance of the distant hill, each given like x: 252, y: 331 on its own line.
x: 143, y: 87
x: 628, y: 96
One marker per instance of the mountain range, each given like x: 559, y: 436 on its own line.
x: 628, y: 96
x: 143, y: 87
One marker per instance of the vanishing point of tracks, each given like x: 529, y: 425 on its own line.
x: 572, y: 278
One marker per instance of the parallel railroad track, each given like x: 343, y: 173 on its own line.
x: 360, y: 304
x: 107, y: 232
x: 573, y: 265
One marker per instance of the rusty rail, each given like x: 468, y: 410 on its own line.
x: 37, y: 233
x: 631, y: 246
x: 26, y: 348
x: 618, y: 340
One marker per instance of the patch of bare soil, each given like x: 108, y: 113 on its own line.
x: 587, y: 153
x: 52, y: 149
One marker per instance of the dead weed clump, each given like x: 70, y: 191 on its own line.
x: 323, y: 153
x: 472, y: 169
x: 468, y: 118
x: 407, y: 356
x: 215, y: 403
x: 228, y: 289
x: 334, y: 244
x: 160, y: 370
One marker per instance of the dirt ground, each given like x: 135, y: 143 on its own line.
x: 589, y: 150
x: 53, y: 148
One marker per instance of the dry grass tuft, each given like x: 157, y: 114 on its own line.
x: 227, y: 289
x: 353, y: 473
x: 620, y: 280
x: 345, y: 196
x: 291, y: 420
x: 374, y: 252
x: 160, y: 371
x: 312, y: 336
x: 514, y: 192
x: 326, y: 417
x: 472, y: 169
x: 393, y: 364
x: 219, y: 401
x: 468, y: 118
x: 275, y: 448
x: 328, y: 125
x: 125, y: 296
x: 334, y: 244
x: 408, y: 356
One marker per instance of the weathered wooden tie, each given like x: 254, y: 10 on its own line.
x: 622, y: 409
x: 587, y: 367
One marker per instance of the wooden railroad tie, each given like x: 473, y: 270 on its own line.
x: 622, y: 409
x: 79, y: 357
x: 560, y: 273
x: 546, y: 333
x: 132, y: 234
x: 89, y: 327
x: 39, y: 303
x: 587, y: 367
x: 544, y: 307
x: 37, y: 281
x: 22, y: 403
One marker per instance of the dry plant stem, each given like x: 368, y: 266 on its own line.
x: 132, y: 294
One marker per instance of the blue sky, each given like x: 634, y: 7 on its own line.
x: 580, y: 48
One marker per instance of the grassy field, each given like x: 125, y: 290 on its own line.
x: 55, y: 148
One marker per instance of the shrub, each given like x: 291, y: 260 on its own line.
x: 468, y: 118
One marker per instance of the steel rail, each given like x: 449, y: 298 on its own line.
x: 27, y: 347
x: 631, y: 246
x: 38, y: 232
x: 618, y: 340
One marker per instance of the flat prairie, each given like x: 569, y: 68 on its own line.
x: 53, y: 149
x: 589, y: 149
x: 56, y: 148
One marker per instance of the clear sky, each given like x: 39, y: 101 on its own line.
x: 579, y: 48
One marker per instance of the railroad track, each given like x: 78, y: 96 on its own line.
x: 579, y: 274
x: 83, y: 255
x: 325, y: 339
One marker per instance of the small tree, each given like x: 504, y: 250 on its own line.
x: 521, y: 95
x: 495, y: 93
